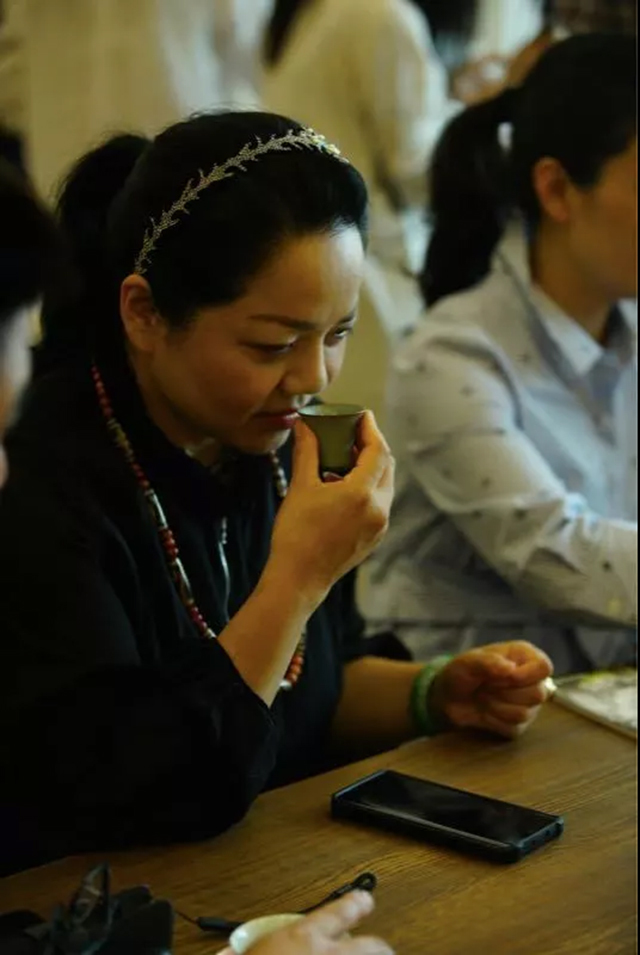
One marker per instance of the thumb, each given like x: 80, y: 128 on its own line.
x: 306, y: 457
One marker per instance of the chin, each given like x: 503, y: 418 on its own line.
x: 263, y: 444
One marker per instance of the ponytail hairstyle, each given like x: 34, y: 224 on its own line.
x: 117, y: 193
x: 578, y: 106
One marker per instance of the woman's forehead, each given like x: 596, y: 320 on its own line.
x: 307, y: 281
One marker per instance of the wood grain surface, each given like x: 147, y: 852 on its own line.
x: 576, y: 896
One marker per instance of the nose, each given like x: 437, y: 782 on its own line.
x: 308, y: 373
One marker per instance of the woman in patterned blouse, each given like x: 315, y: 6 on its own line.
x: 513, y: 407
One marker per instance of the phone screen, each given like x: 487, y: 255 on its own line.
x: 411, y: 799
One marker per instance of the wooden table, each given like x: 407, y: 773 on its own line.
x: 577, y: 895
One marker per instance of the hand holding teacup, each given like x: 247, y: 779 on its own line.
x: 325, y: 528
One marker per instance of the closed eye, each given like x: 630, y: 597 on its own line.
x: 333, y: 338
x: 272, y: 349
x: 340, y: 334
x: 267, y: 350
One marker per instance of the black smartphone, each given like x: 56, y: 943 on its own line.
x: 500, y: 831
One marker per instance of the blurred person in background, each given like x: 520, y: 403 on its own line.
x: 78, y: 70
x: 513, y: 406
x: 28, y: 260
x: 239, y: 32
x: 376, y: 77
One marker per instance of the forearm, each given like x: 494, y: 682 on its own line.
x: 543, y: 540
x: 586, y: 574
x: 322, y: 532
x: 374, y: 711
x: 159, y: 754
x: 263, y: 636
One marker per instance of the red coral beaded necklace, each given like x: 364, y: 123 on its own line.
x: 167, y: 539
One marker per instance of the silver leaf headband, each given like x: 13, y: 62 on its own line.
x: 305, y: 138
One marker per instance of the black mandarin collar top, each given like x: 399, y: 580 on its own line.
x: 106, y: 687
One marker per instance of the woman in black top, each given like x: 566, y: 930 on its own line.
x: 29, y: 257
x: 178, y: 630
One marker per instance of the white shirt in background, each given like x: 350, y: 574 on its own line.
x: 93, y: 67
x: 239, y: 35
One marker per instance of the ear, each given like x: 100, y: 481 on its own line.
x: 554, y: 189
x: 143, y: 324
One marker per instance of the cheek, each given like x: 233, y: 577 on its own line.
x: 215, y: 381
x: 609, y: 232
x: 334, y: 360
x: 615, y: 205
x: 623, y: 219
x: 621, y: 241
x: 243, y: 386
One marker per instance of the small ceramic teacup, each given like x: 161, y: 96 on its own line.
x: 336, y: 428
x: 246, y: 936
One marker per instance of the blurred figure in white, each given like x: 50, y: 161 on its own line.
x: 369, y: 75
x: 376, y: 77
x: 87, y: 68
x: 239, y: 29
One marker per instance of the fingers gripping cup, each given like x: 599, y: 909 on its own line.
x: 336, y: 428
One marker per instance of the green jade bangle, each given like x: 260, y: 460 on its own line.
x: 427, y: 723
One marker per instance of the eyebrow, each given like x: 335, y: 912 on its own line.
x: 297, y: 324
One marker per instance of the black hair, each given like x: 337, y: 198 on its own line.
x: 607, y: 16
x: 578, y: 105
x: 280, y: 25
x: 29, y: 247
x: 450, y: 22
x: 217, y: 245
x: 452, y: 25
